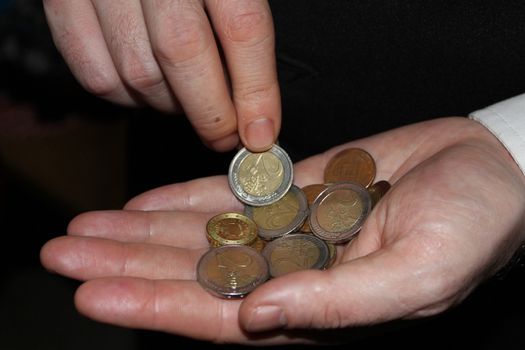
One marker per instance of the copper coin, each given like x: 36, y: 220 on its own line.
x: 311, y: 192
x: 232, y: 271
x: 231, y: 228
x: 378, y: 190
x: 351, y: 164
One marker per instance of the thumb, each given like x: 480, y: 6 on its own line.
x: 379, y: 287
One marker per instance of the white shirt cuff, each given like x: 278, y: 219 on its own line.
x: 506, y: 120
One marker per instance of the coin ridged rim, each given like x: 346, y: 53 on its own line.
x: 224, y: 291
x: 293, y: 226
x: 257, y: 201
x: 320, y: 264
x: 218, y: 240
x: 341, y: 236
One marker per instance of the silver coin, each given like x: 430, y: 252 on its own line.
x: 295, y: 252
x: 263, y: 178
x: 282, y: 217
x: 339, y: 211
x: 232, y: 271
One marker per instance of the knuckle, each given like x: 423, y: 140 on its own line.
x: 255, y: 93
x: 248, y: 23
x: 100, y: 83
x: 140, y: 77
x: 182, y: 41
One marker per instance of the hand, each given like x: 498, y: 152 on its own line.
x: 167, y: 53
x: 453, y: 217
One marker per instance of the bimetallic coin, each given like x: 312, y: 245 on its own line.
x: 352, y: 165
x: 231, y: 228
x: 263, y: 178
x: 311, y: 192
x: 378, y: 190
x: 333, y: 255
x: 295, y: 252
x: 232, y: 271
x: 282, y: 217
x: 338, y: 212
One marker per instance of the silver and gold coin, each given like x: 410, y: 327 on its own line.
x: 282, y: 217
x: 295, y: 252
x: 232, y: 271
x: 263, y: 178
x: 338, y: 213
x: 231, y: 228
x: 378, y: 190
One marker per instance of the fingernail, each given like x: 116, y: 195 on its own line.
x: 259, y: 135
x: 266, y: 318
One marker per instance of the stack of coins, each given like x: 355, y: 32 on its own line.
x: 285, y: 228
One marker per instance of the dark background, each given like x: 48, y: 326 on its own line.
x: 347, y: 69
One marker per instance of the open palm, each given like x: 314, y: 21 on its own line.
x: 452, y: 218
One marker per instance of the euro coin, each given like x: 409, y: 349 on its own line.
x: 282, y: 217
x: 263, y: 178
x: 295, y: 252
x: 352, y: 165
x: 339, y: 211
x: 378, y: 190
x: 231, y: 228
x: 232, y: 271
x: 311, y: 192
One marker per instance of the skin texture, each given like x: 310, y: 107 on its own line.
x: 453, y: 217
x: 212, y: 60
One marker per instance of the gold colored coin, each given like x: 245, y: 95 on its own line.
x: 338, y: 213
x: 258, y: 244
x: 260, y: 174
x: 231, y: 228
x: 353, y: 165
x: 282, y: 217
x: 295, y: 252
x: 378, y: 190
x: 232, y: 271
x: 311, y: 192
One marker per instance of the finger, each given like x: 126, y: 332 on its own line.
x: 382, y: 286
x: 177, y: 229
x: 86, y: 258
x: 245, y: 30
x: 124, y: 29
x: 78, y: 36
x: 209, y: 194
x: 184, y: 45
x: 177, y: 307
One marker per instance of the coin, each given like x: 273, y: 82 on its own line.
x: 263, y: 178
x: 311, y: 192
x: 378, y: 190
x: 332, y: 254
x: 232, y: 271
x: 339, y: 211
x: 295, y: 252
x: 282, y: 217
x: 231, y: 228
x: 351, y: 164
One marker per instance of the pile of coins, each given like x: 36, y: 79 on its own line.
x: 285, y: 228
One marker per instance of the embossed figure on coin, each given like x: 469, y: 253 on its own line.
x: 232, y: 269
x: 340, y: 211
x: 277, y: 215
x: 232, y: 229
x: 294, y: 256
x: 261, y: 174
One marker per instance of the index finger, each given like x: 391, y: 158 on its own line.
x: 245, y: 30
